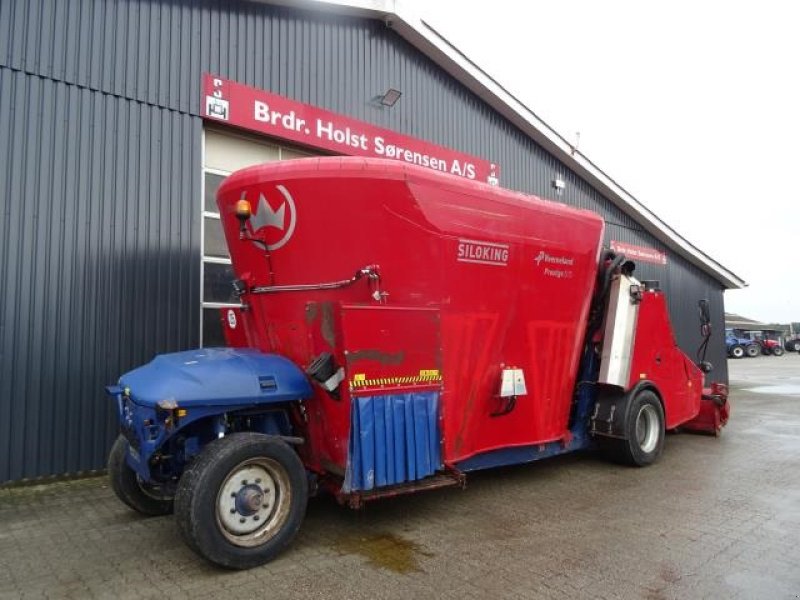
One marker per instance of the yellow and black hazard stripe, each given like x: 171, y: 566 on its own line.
x: 425, y: 376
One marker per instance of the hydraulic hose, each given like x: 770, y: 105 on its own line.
x: 611, y: 262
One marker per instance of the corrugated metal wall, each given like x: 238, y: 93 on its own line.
x: 98, y: 258
x: 100, y: 182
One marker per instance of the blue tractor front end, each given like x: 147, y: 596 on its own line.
x: 214, y: 419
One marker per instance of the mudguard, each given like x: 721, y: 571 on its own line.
x: 611, y: 409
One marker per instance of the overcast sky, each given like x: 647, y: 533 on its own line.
x: 693, y: 107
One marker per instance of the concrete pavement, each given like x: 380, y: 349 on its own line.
x: 715, y: 518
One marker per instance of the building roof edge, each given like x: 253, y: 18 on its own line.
x: 414, y: 29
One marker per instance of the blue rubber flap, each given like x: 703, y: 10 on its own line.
x: 214, y: 376
x: 393, y: 439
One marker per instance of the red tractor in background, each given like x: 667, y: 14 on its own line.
x: 741, y: 343
x: 770, y: 347
x: 739, y: 346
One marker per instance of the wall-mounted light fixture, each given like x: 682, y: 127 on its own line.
x: 391, y: 97
x: 559, y: 184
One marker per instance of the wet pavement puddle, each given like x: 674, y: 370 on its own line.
x: 384, y: 550
x: 785, y: 389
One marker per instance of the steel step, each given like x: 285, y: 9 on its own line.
x: 439, y: 480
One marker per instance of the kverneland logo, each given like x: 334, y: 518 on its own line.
x: 271, y: 224
x: 553, y: 260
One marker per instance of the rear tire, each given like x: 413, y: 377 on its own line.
x: 753, y: 350
x: 796, y: 345
x: 141, y: 497
x: 242, y: 501
x: 736, y: 351
x: 778, y: 351
x: 644, y: 430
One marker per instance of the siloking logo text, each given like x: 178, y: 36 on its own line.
x: 482, y: 253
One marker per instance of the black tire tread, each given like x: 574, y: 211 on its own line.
x: 611, y: 449
x: 630, y: 453
x: 625, y: 451
x: 193, y: 524
x: 125, y: 485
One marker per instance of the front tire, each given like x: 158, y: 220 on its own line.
x: 242, y: 501
x: 777, y: 351
x: 737, y: 352
x: 141, y: 497
x: 753, y: 350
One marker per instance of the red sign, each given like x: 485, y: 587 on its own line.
x: 639, y: 253
x: 274, y: 115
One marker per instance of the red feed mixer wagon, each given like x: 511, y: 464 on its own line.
x: 398, y: 329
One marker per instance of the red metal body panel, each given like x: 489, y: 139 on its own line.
x: 714, y: 411
x: 478, y: 278
x: 657, y: 358
x: 711, y: 418
x: 389, y: 348
x: 237, y: 334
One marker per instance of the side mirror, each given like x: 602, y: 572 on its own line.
x: 705, y: 312
x: 705, y: 332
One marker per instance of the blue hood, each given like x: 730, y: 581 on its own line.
x: 214, y: 376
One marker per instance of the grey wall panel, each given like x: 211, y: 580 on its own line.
x: 686, y: 285
x: 100, y: 258
x: 100, y: 172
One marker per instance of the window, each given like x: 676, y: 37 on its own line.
x: 224, y: 154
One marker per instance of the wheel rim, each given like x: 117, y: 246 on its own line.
x: 648, y: 428
x: 253, y: 502
x: 737, y: 352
